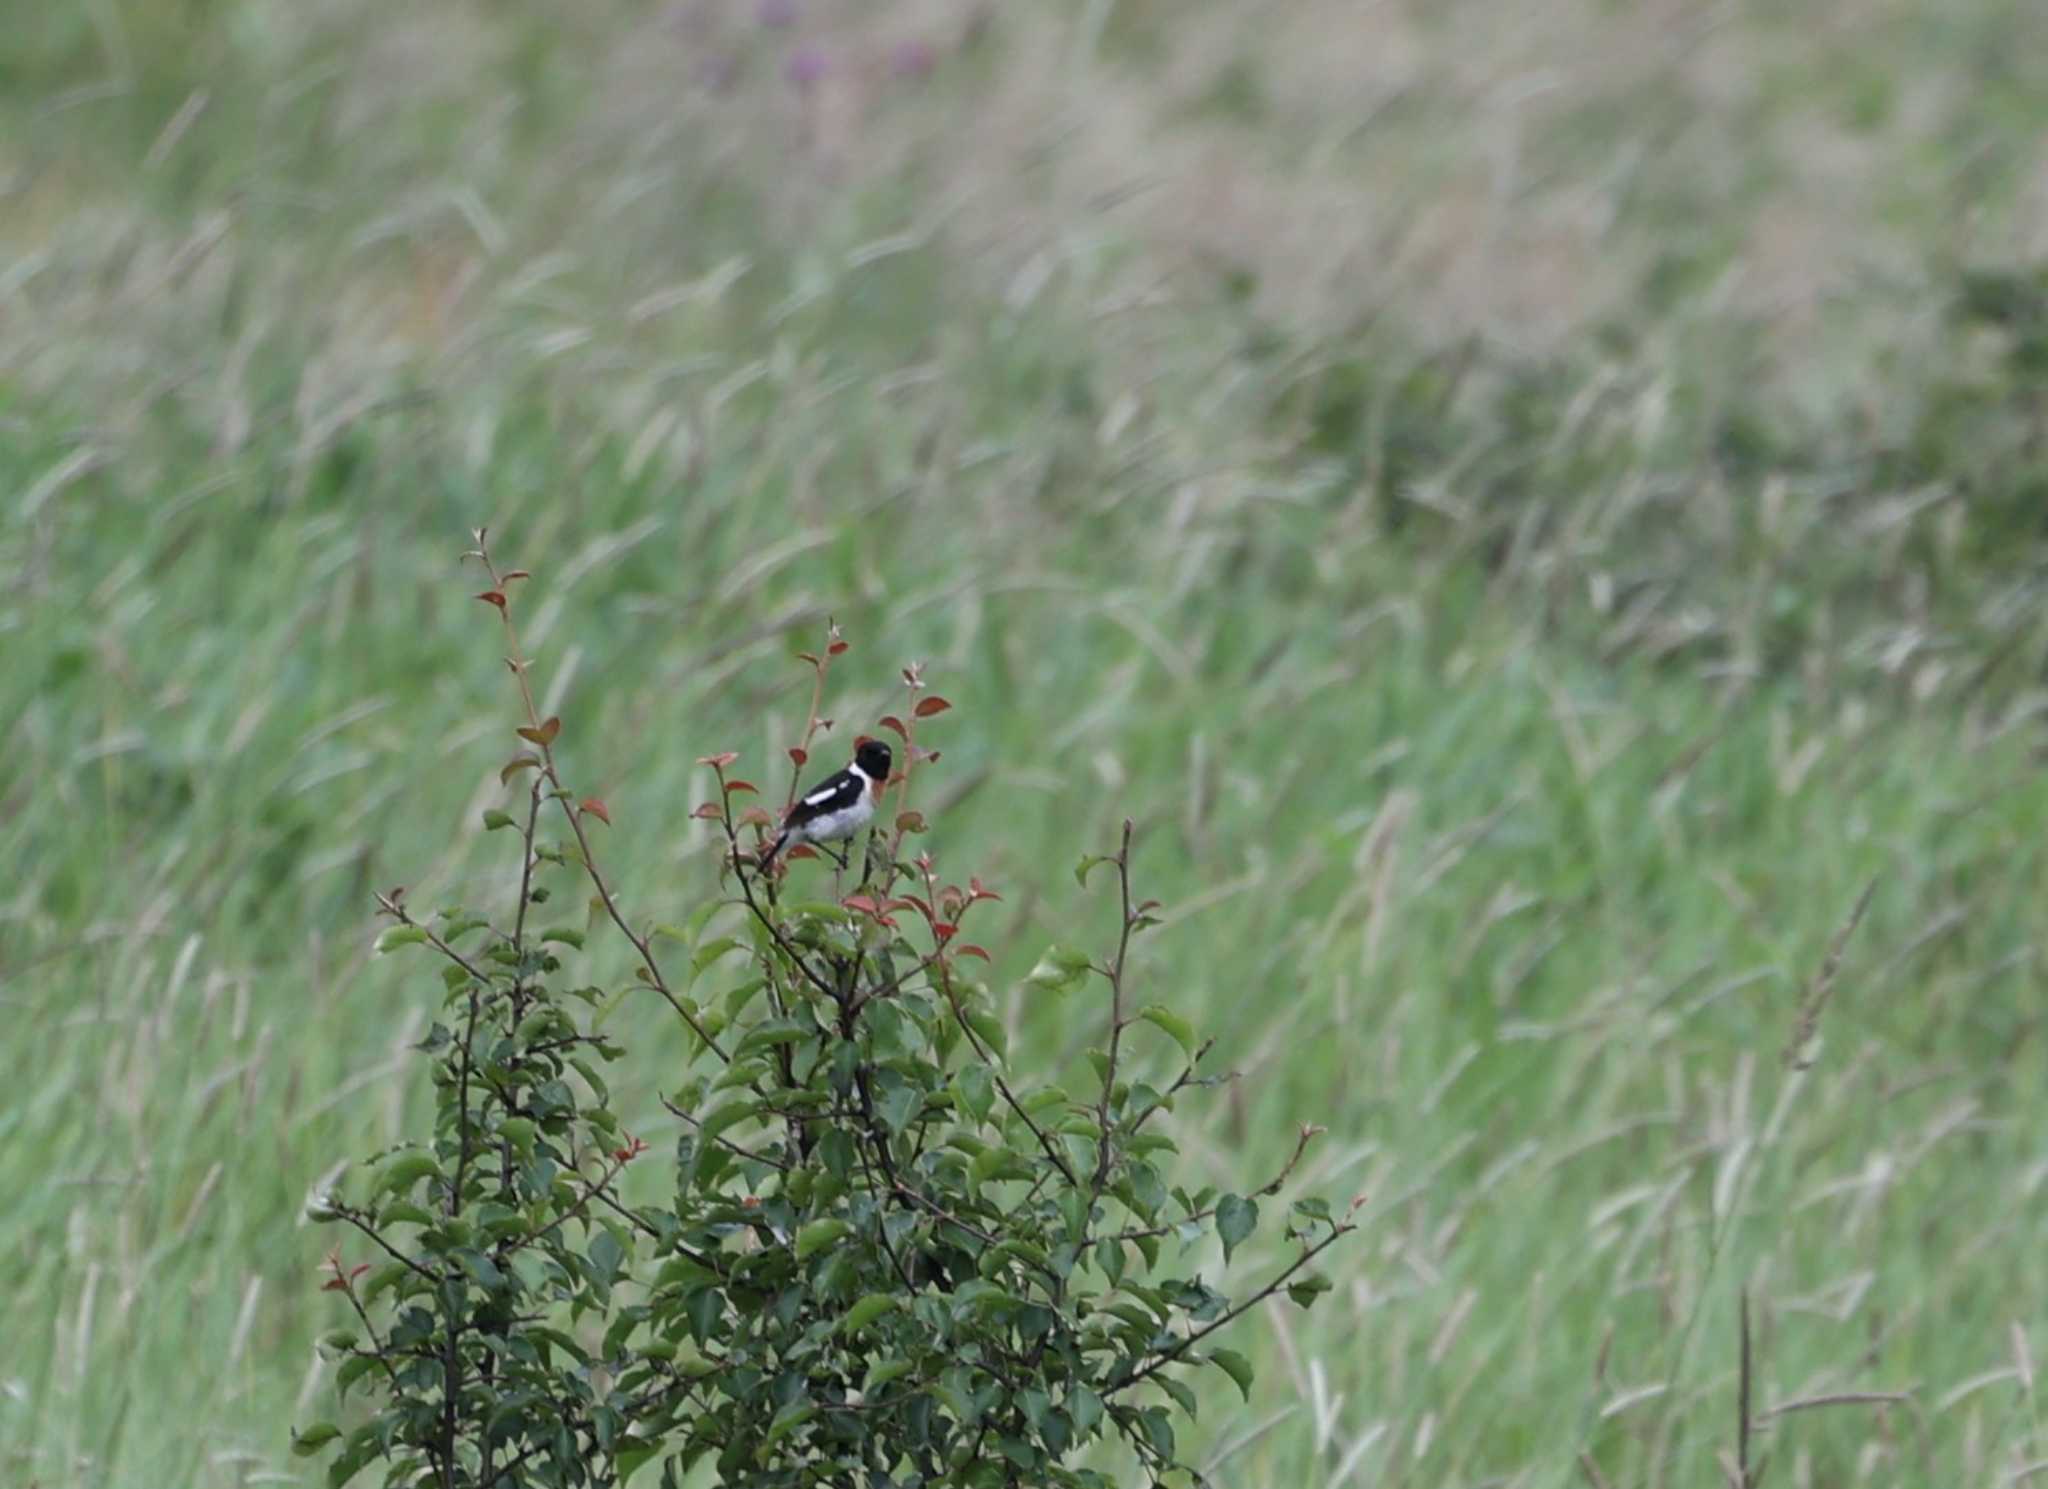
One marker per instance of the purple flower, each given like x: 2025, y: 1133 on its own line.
x: 775, y: 12
x: 806, y: 67
x: 913, y: 59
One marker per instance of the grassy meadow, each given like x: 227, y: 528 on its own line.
x: 1534, y: 510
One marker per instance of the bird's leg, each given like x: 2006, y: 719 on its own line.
x: 870, y: 857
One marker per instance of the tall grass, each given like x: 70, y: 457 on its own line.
x: 1533, y: 515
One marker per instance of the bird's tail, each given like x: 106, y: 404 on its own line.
x: 768, y: 858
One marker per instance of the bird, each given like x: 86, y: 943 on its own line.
x: 838, y: 807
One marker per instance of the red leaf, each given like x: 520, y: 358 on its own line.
x: 973, y: 951
x: 837, y: 647
x: 944, y: 929
x: 759, y: 815
x: 493, y: 597
x: 976, y: 892
x: 357, y: 1270
x: 595, y: 806
x: 801, y: 850
x: 927, y: 755
x: 910, y: 821
x: 334, y: 1285
x: 718, y: 762
x: 545, y: 734
x: 862, y: 903
x: 921, y: 906
x: 732, y: 786
x: 890, y: 721
x: 804, y: 656
x: 798, y: 755
x: 516, y: 574
x: 711, y: 811
x: 926, y: 707
x: 513, y: 766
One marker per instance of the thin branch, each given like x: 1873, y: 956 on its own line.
x: 393, y: 906
x: 355, y: 1219
x: 1115, y: 974
x: 526, y: 868
x: 731, y: 1147
x: 575, y: 819
x: 1307, y: 1135
x: 988, y: 1058
x: 1174, y: 1351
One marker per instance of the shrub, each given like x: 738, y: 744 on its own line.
x: 889, y: 1256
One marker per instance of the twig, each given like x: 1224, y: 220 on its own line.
x: 1115, y: 974
x: 355, y: 1219
x: 1058, y: 1158
x: 640, y: 944
x: 1173, y: 1352
x: 1307, y: 1135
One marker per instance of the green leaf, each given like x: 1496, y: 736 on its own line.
x: 990, y: 1030
x: 495, y: 819
x: 1087, y: 866
x: 1236, y: 1218
x: 1304, y: 1290
x: 882, y: 1372
x: 703, y: 1308
x: 1165, y: 1018
x: 400, y: 935
x: 712, y: 950
x: 1059, y: 969
x: 517, y: 1133
x: 773, y: 1032
x: 866, y: 1311
x: 606, y: 1254
x: 1183, y: 1396
x: 1085, y: 1407
x: 564, y: 935
x: 1236, y: 1366
x: 404, y: 1171
x: 363, y: 1445
x: 353, y: 1369
x: 313, y: 1439
x: 481, y: 1267
x: 896, y: 1100
x: 819, y: 1234
x: 998, y: 1161
x: 974, y: 1089
x: 790, y: 1418
x: 1109, y: 1256
x: 631, y: 1459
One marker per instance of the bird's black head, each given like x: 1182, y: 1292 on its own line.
x: 874, y: 759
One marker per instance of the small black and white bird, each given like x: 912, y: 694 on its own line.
x: 838, y: 807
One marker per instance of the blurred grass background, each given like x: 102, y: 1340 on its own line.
x: 1531, y: 508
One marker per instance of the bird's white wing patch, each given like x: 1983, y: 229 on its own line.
x: 820, y: 796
